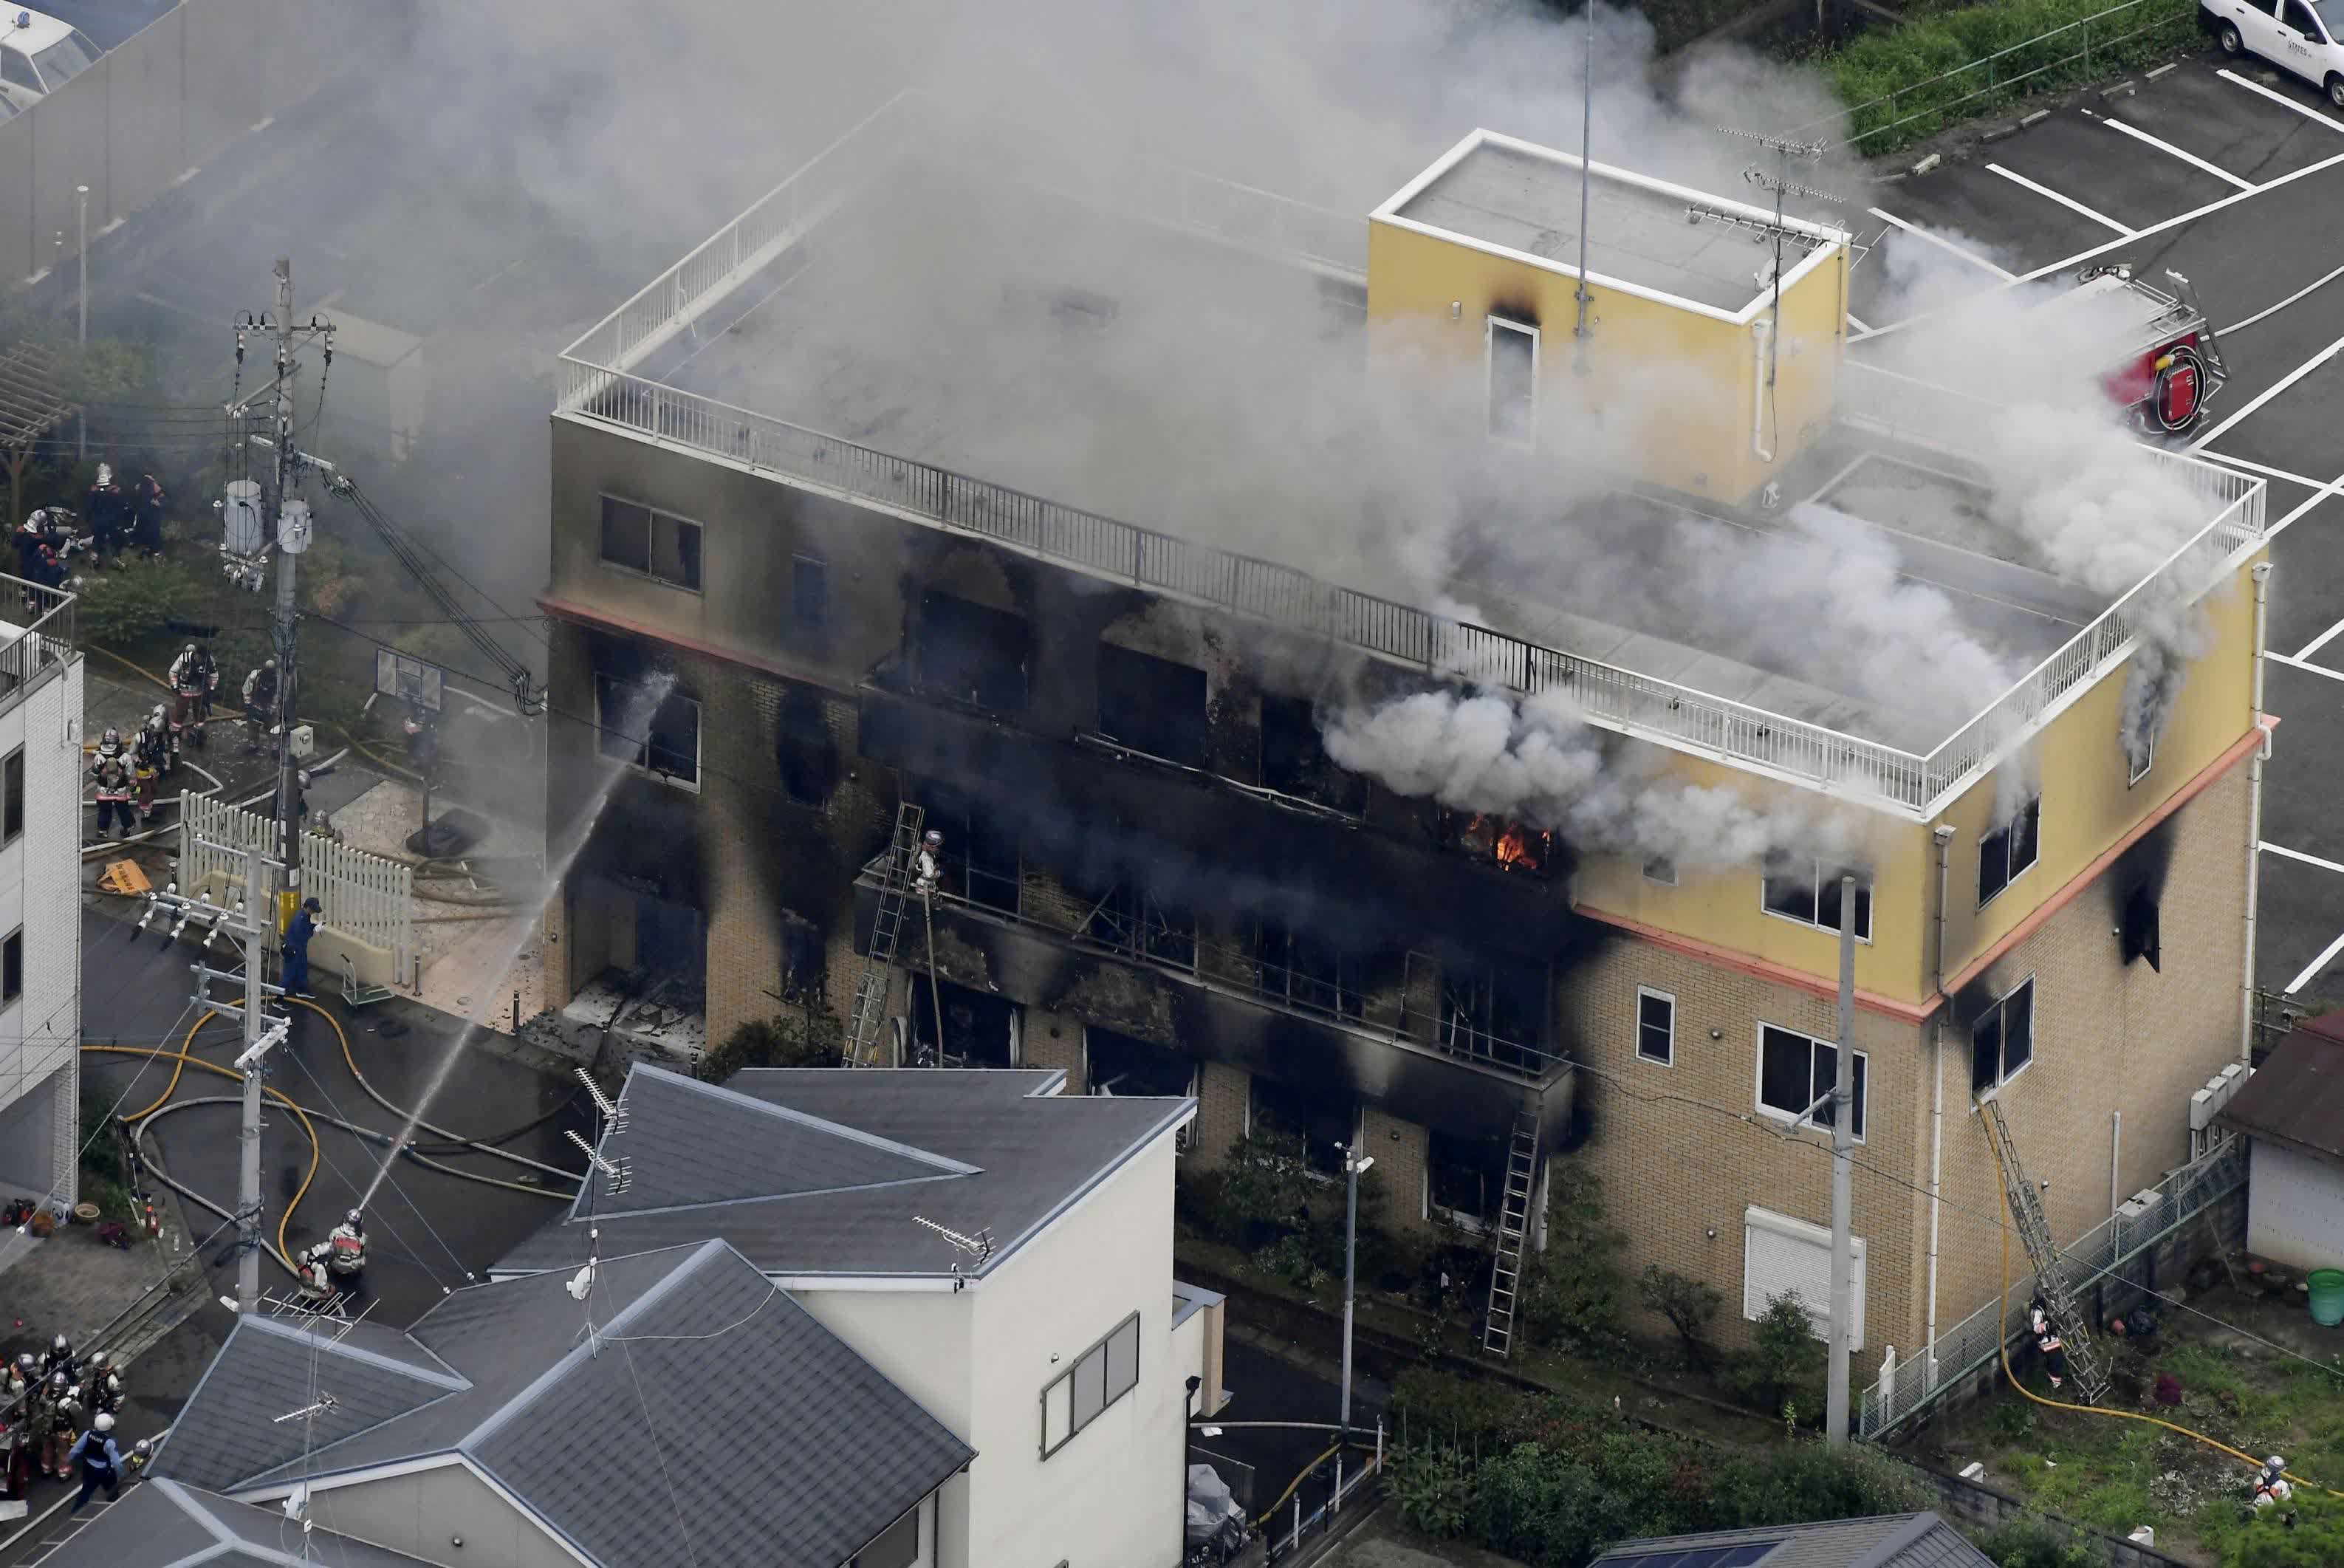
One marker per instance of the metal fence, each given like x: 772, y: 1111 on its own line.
x: 1904, y: 1389
x: 360, y: 894
x: 153, y: 108
x: 36, y: 636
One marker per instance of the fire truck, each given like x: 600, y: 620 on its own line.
x: 2177, y: 368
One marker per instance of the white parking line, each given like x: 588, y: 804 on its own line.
x: 2273, y: 390
x: 2311, y: 970
x: 2333, y: 486
x: 2192, y: 160
x: 2308, y: 668
x: 2069, y: 202
x: 1945, y: 245
x: 2281, y: 99
x: 2226, y: 460
x: 1859, y: 326
x: 2317, y: 644
x: 2268, y: 848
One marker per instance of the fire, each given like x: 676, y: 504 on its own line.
x: 1519, y: 847
x: 1512, y: 845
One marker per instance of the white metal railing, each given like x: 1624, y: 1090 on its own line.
x: 1906, y: 1388
x: 360, y: 894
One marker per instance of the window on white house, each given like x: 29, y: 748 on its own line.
x: 640, y: 539
x: 897, y: 1546
x: 663, y: 740
x: 2009, y: 850
x: 1808, y: 891
x: 1661, y: 869
x: 1098, y: 1377
x: 2002, y: 1041
x: 1513, y: 348
x: 1656, y: 1025
x: 1796, y: 1071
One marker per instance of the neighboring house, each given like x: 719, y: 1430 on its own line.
x: 805, y: 585
x: 1890, y: 1541
x: 2293, y: 1109
x: 166, y: 1525
x: 684, y: 1409
x: 1002, y: 1252
x: 40, y: 829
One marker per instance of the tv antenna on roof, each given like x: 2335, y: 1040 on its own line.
x: 326, y: 1404
x: 614, y: 1112
x: 979, y: 1246
x: 1785, y: 150
x: 615, y: 1175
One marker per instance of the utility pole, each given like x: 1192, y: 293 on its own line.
x: 1586, y: 173
x: 1843, y: 1265
x: 292, y: 539
x: 1354, y: 1166
x: 247, y: 1192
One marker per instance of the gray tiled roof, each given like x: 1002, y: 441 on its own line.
x: 164, y: 1525
x: 1885, y: 1540
x: 688, y: 1142
x: 706, y: 1402
x: 1028, y: 1151
x: 271, y: 1366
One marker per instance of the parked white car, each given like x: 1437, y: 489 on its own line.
x: 2297, y: 36
x: 39, y: 54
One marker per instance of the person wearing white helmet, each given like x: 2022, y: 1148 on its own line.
x: 59, y: 1357
x: 346, y: 1244
x: 928, y: 864
x: 103, y: 1383
x: 100, y: 1461
x: 108, y: 512
x: 2271, y: 1484
x: 194, y: 676
x: 260, y: 704
x: 114, y: 784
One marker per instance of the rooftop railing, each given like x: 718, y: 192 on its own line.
x: 594, y: 381
x: 36, y: 636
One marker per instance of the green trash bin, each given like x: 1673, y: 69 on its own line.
x: 2326, y: 1297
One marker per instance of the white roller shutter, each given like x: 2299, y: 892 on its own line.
x: 1781, y: 1254
x: 2295, y: 1209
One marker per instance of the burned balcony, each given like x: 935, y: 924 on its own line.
x: 1497, y: 841
x: 1293, y: 760
x: 972, y: 653
x: 1150, y: 705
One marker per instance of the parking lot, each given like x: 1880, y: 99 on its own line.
x: 2233, y: 175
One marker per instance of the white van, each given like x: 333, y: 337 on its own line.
x: 39, y: 54
x: 2297, y: 36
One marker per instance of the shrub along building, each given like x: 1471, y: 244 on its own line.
x: 1106, y: 684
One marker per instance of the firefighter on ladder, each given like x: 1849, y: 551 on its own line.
x: 2047, y: 1340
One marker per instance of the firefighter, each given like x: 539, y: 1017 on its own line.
x: 100, y: 1461
x: 150, y: 758
x: 56, y: 1425
x: 346, y: 1244
x: 928, y: 865
x: 422, y: 738
x: 2271, y: 1484
x: 142, y: 1454
x: 59, y: 1357
x: 147, y: 514
x: 296, y: 975
x: 108, y: 512
x: 317, y: 1291
x: 2047, y: 1340
x: 110, y: 773
x: 195, y: 676
x: 103, y: 1384
x: 260, y: 704
x: 18, y: 1379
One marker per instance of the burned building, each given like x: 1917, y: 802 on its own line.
x: 831, y: 569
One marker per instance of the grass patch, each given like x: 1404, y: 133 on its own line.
x: 1901, y: 83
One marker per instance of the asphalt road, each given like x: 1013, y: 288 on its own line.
x: 2233, y: 175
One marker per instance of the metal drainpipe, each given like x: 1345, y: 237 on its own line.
x: 2254, y: 819
x: 1760, y: 333
x: 1943, y: 833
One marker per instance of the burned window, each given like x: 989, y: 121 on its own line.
x: 1513, y: 381
x: 2139, y: 930
x: 1134, y: 922
x: 1809, y: 892
x: 1151, y: 704
x: 980, y: 1029
x: 640, y: 539
x: 974, y: 653
x: 662, y: 738
x: 1294, y: 759
x: 2009, y: 850
x: 1303, y: 970
x: 1120, y: 1064
x: 2002, y: 1041
x: 1660, y: 869
x: 803, y: 964
x: 809, y: 594
x: 980, y: 859
x: 1325, y: 1123
x: 806, y: 751
x: 1465, y: 1178
x: 1496, y: 1011
x: 1508, y: 845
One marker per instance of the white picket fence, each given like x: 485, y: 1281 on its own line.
x: 361, y: 895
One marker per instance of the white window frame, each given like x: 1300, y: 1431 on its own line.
x: 1065, y: 1379
x: 1782, y: 1225
x: 1864, y: 938
x: 1491, y: 326
x: 1999, y: 1008
x: 1666, y: 875
x: 640, y: 763
x: 1642, y: 992
x: 651, y: 514
x: 2133, y: 775
x: 1797, y: 1118
x: 2034, y: 804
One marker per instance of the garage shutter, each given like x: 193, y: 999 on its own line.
x: 1780, y: 1254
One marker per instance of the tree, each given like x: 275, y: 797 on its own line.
x: 1687, y: 1304
x: 1570, y: 1291
x: 1784, y: 1366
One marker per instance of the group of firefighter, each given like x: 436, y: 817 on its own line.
x: 127, y: 774
x: 57, y: 1416
x: 122, y: 519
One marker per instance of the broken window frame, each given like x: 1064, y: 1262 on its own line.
x: 809, y: 594
x: 1154, y: 729
x: 1492, y: 1181
x: 804, y: 746
x: 994, y: 673
x: 1326, y: 784
x: 1518, y: 425
x: 1457, y: 833
x: 1465, y: 1023
x: 1271, y: 948
x: 685, y: 540
x: 1821, y: 890
x: 1821, y: 1078
x: 925, y: 998
x: 2015, y: 1006
x: 2137, y: 768
x: 1660, y: 871
x: 612, y: 741
x: 1130, y: 920
x: 1999, y: 862
x: 1322, y: 1156
x: 1114, y: 1039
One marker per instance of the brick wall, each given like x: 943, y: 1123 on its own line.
x: 1398, y: 1150
x: 1053, y: 1040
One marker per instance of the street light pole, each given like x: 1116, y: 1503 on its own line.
x: 1354, y: 1166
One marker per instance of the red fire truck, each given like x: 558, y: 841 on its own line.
x: 2176, y: 368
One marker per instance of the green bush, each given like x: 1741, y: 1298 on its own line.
x: 1688, y: 1305
x: 1898, y: 80
x: 1289, y: 1217
x: 1784, y: 1370
x: 1432, y: 1487
x: 2031, y: 1543
x: 2315, y: 1539
x: 1570, y: 1290
x: 120, y: 608
x: 811, y: 1038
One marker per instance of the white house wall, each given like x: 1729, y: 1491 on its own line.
x: 2295, y: 1209
x: 426, y: 1513
x: 40, y: 892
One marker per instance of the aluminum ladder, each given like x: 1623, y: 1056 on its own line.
x: 867, y: 1019
x: 1513, y: 1234
x: 2050, y: 1282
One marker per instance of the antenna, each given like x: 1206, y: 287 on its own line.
x: 614, y: 1112
x: 1785, y: 148
x: 325, y: 1403
x: 614, y: 1171
x: 979, y: 1246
